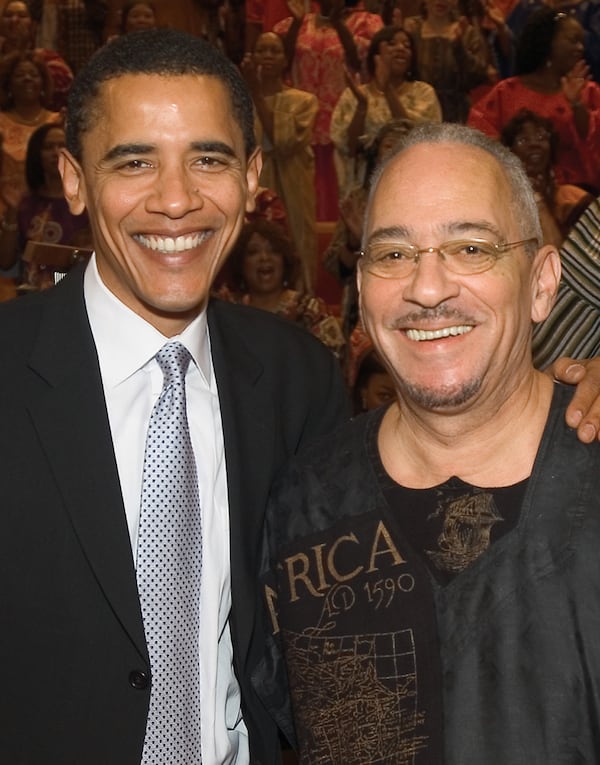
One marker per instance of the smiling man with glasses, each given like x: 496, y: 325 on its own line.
x: 434, y: 569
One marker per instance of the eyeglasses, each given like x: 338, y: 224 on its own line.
x: 389, y: 260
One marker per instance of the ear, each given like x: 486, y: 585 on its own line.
x: 73, y: 182
x: 545, y: 280
x: 253, y: 170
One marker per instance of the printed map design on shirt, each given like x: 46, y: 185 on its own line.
x: 361, y: 687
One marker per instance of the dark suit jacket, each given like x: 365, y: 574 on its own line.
x: 71, y: 636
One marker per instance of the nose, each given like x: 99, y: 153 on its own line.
x: 431, y: 283
x: 175, y: 193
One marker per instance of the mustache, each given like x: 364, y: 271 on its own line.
x: 432, y: 314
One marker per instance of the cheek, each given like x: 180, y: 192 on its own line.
x: 114, y: 205
x: 105, y: 220
x: 510, y: 304
x: 248, y: 267
x: 379, y: 296
x: 224, y: 194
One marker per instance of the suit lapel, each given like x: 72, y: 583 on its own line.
x: 247, y: 412
x: 72, y: 425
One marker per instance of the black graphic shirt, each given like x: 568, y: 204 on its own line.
x: 452, y: 524
x: 454, y: 625
x: 360, y: 644
x: 360, y: 634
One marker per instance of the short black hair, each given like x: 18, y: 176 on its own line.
x: 34, y: 169
x: 165, y: 52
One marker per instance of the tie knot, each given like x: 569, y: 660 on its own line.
x: 174, y: 360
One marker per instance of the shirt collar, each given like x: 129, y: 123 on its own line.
x: 125, y: 342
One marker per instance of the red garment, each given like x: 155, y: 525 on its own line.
x: 319, y: 58
x: 318, y: 67
x: 326, y: 185
x: 61, y: 75
x: 266, y: 12
x: 268, y: 206
x: 578, y: 160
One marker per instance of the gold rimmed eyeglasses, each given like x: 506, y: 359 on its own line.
x: 390, y: 260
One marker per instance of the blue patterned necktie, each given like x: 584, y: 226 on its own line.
x: 169, y: 561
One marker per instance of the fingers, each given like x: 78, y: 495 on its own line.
x: 350, y: 78
x: 583, y: 413
x: 580, y: 72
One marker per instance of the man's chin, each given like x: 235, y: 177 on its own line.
x: 441, y: 397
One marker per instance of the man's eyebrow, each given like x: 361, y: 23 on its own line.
x: 136, y: 149
x: 213, y: 147
x: 389, y: 233
x: 466, y: 226
x: 401, y: 233
x: 128, y: 150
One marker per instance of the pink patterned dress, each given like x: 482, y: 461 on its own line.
x: 318, y: 67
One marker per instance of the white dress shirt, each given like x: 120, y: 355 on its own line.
x: 126, y: 345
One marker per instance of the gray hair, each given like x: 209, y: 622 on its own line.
x: 523, y: 204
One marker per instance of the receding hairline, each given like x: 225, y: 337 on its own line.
x: 449, y: 136
x: 449, y: 148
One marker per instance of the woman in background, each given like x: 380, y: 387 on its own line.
x: 552, y: 80
x: 535, y: 141
x: 285, y: 119
x: 25, y: 96
x: 136, y: 16
x: 17, y: 35
x: 43, y: 214
x: 392, y: 93
x: 319, y: 45
x: 262, y: 270
x: 452, y: 55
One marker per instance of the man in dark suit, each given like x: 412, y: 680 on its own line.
x: 161, y: 153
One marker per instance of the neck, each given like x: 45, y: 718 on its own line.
x: 271, y: 85
x: 267, y: 301
x: 397, y: 79
x: 439, y: 24
x: 29, y: 112
x: 52, y: 188
x: 485, y: 444
x: 8, y: 46
x: 545, y: 79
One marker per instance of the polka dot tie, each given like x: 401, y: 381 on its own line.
x: 169, y: 561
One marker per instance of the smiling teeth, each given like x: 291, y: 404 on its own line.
x: 169, y: 243
x: 436, y: 334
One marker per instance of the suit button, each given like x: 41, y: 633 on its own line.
x: 138, y: 680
